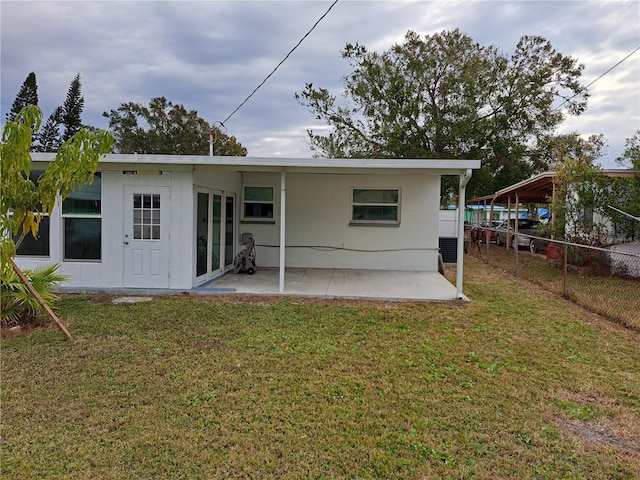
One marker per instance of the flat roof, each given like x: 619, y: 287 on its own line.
x: 326, y: 165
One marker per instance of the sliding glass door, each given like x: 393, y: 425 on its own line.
x: 215, y: 227
x: 202, y: 234
x: 229, y: 231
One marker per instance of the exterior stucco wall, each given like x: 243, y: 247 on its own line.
x: 219, y: 180
x: 318, y: 233
x: 109, y: 271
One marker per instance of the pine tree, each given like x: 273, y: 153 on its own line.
x: 28, y: 95
x: 49, y: 139
x: 72, y: 110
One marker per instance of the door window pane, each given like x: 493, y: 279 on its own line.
x: 146, y: 216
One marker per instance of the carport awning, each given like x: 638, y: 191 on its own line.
x: 538, y: 189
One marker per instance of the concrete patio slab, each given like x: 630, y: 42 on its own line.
x: 338, y: 283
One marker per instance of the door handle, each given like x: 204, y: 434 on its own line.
x: 125, y: 242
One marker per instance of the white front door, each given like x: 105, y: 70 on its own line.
x: 146, y: 237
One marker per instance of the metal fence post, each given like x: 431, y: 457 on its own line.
x: 565, y: 271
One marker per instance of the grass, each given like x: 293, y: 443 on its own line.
x: 507, y: 386
x: 614, y: 297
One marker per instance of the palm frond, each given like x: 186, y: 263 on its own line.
x: 17, y: 302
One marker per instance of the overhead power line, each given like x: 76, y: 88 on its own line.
x: 278, y: 66
x: 602, y: 75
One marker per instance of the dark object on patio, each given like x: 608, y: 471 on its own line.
x: 246, y: 260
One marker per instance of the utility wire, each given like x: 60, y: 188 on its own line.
x: 625, y: 58
x: 329, y: 248
x: 278, y: 66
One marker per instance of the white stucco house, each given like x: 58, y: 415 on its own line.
x: 177, y: 222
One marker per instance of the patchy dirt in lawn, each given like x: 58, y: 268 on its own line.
x: 614, y: 425
x: 601, y: 433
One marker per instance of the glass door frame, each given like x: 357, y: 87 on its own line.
x: 210, y: 271
x: 223, y: 260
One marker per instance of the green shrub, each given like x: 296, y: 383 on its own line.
x: 18, y: 305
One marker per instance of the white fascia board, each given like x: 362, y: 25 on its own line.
x: 326, y: 165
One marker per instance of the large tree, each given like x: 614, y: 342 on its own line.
x: 64, y: 122
x: 630, y: 158
x: 49, y: 138
x: 164, y: 128
x: 71, y: 115
x: 446, y: 96
x: 27, y: 95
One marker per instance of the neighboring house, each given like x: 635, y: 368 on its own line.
x: 177, y: 222
x: 478, y: 213
x: 539, y: 190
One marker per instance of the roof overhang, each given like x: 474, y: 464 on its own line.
x: 278, y: 164
x: 539, y: 188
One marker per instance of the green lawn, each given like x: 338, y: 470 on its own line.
x: 614, y: 297
x: 515, y: 384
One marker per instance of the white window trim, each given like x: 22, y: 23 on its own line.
x: 245, y: 219
x: 64, y: 216
x: 375, y: 223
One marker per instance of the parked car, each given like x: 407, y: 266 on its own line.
x: 479, y: 232
x: 526, y: 226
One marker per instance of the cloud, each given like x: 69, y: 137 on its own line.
x: 209, y: 55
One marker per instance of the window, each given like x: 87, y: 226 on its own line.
x: 146, y: 216
x: 375, y: 206
x: 587, y: 218
x: 30, y: 246
x: 82, y: 217
x: 257, y: 204
x: 35, y: 247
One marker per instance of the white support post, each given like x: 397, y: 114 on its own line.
x: 517, y: 240
x: 283, y: 215
x: 464, y: 180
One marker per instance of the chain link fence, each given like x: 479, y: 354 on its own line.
x: 603, y: 280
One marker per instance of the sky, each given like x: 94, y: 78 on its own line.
x: 210, y: 55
